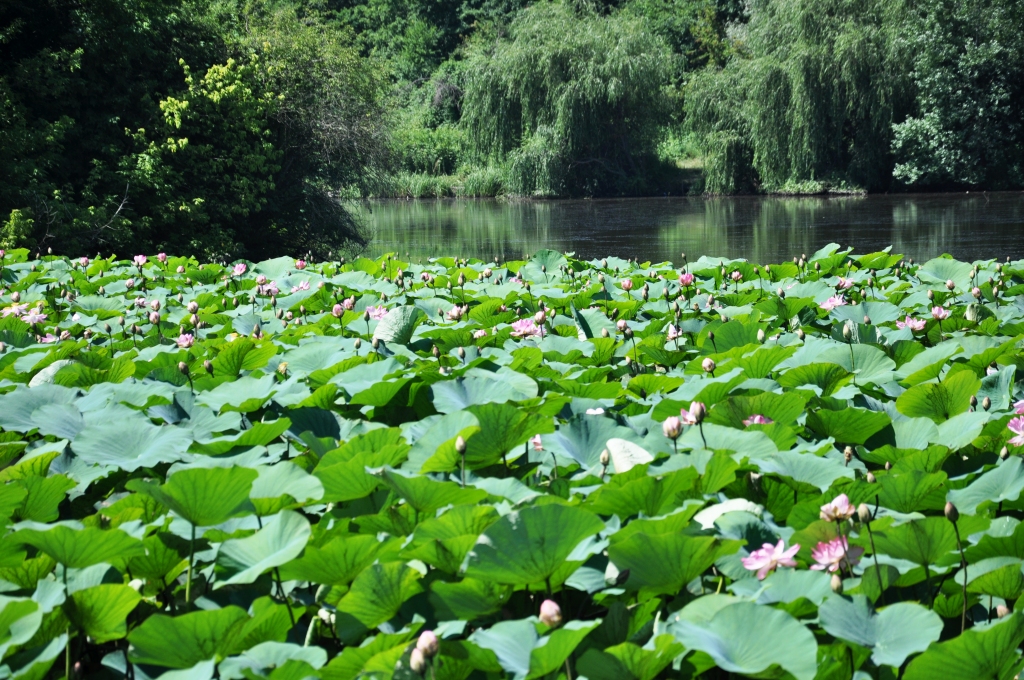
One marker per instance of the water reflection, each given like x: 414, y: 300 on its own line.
x: 968, y: 226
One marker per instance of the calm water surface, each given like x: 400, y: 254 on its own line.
x: 761, y: 229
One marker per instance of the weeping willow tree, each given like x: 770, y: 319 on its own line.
x: 810, y: 100
x: 570, y: 103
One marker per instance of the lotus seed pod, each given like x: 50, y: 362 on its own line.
x: 417, y: 661
x: 863, y: 513
x: 870, y: 478
x: 428, y: 643
x: 952, y: 514
x: 836, y: 584
x: 460, y: 445
x: 550, y: 613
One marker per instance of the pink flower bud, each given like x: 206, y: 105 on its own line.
x: 155, y: 305
x: 427, y: 643
x: 550, y: 613
x: 540, y: 317
x: 300, y: 264
x: 672, y: 427
x: 708, y: 365
x: 627, y: 284
x: 180, y: 269
x: 337, y: 311
x: 417, y: 661
x: 154, y: 318
x: 162, y: 257
x: 139, y: 260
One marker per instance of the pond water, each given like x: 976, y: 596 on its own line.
x: 761, y: 229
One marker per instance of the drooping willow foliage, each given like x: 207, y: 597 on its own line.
x: 813, y: 97
x: 571, y: 102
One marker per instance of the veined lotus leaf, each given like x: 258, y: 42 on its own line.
x: 982, y: 652
x: 78, y: 547
x: 203, y: 497
x: 527, y: 546
x: 1002, y: 483
x: 100, y: 611
x: 665, y: 563
x: 480, y: 387
x: 280, y: 540
x: 183, y: 641
x: 893, y: 633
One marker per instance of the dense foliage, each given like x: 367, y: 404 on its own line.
x: 524, y: 469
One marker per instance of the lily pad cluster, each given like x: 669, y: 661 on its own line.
x: 547, y: 468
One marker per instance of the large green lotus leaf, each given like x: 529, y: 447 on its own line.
x: 431, y: 433
x: 825, y: 377
x: 523, y: 654
x: 849, y: 425
x: 45, y: 494
x: 785, y: 585
x: 868, y: 363
x: 746, y: 638
x: 914, y: 433
x: 480, y: 387
x: 101, y: 611
x: 243, y: 354
x: 651, y: 495
x: 665, y: 563
x: 398, y: 324
x: 942, y: 269
x: 60, y: 420
x: 729, y: 335
x: 468, y: 599
x: 445, y: 541
x: 1002, y: 483
x: 927, y: 365
x: 348, y: 480
x: 543, y: 266
x: 314, y: 356
x: 940, y: 401
x: 629, y: 661
x: 584, y: 437
x: 282, y: 660
x: 19, y: 621
x: 280, y: 540
x: 747, y: 443
x: 378, y: 593
x: 246, y: 394
x: 127, y: 439
x: 260, y: 434
x: 280, y: 486
x: 782, y: 408
x: 997, y: 387
x: 337, y: 562
x: 961, y: 430
x: 35, y: 663
x: 503, y: 427
x: 996, y: 577
x: 379, y: 653
x: 77, y: 548
x: 185, y: 640
x: 805, y: 468
x: 911, y: 491
x: 892, y: 634
x: 922, y: 541
x: 203, y: 497
x: 364, y: 376
x: 879, y: 312
x: 988, y: 652
x: 527, y: 546
x: 427, y: 495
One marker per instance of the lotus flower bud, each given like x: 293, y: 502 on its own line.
x: 724, y: 318
x: 836, y: 584
x: 417, y: 662
x: 781, y: 293
x: 192, y: 307
x: 208, y: 366
x: 867, y: 320
x: 848, y: 454
x: 155, y: 305
x: 154, y: 318
x: 540, y: 317
x: 375, y: 344
x: 460, y: 445
x: 950, y: 285
x: 931, y: 295
x: 800, y: 333
x: 1004, y: 453
x: 600, y: 278
x: 672, y: 427
x: 760, y: 335
x: 698, y: 410
x: 183, y: 367
x: 627, y: 333
x: 106, y: 328
x: 708, y: 365
x: 605, y: 458
x: 427, y: 643
x: 120, y: 320
x: 436, y: 352
x: 888, y: 465
x: 15, y: 296
x: 366, y: 314
x: 1002, y: 611
x: 986, y: 403
x: 952, y: 514
x: 604, y: 332
x: 863, y: 513
x: 847, y: 333
x: 462, y: 353
x: 550, y: 613
x: 974, y: 401
x: 870, y: 478
x: 358, y: 343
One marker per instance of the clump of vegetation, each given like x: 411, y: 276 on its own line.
x: 544, y: 468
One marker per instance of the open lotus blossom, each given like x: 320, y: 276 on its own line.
x: 911, y: 323
x: 139, y: 260
x: 33, y: 317
x: 140, y: 302
x: 838, y: 509
x: 1016, y: 426
x: 769, y: 557
x: 525, y: 328
x: 303, y: 285
x: 844, y: 284
x: 835, y: 555
x: 514, y: 279
x: 627, y: 284
x: 377, y: 312
x: 47, y: 339
x: 15, y: 309
x: 269, y: 289
x: 1018, y: 407
x: 694, y: 415
x: 455, y: 313
x: 758, y: 419
x: 238, y: 269
x: 736, y: 275
x: 939, y: 313
x: 300, y: 264
x: 685, y: 279
x: 833, y: 302
x: 186, y: 340
x: 479, y: 333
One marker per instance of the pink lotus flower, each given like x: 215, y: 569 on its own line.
x: 621, y: 325
x: 672, y: 427
x: 46, y: 339
x: 1016, y: 426
x: 300, y: 264
x: 139, y: 260
x: 303, y: 285
x: 65, y: 335
x: 736, y: 275
x: 180, y: 269
x: 758, y: 419
x: 260, y: 279
x: 129, y: 284
x: 269, y: 289
x: 154, y: 318
x: 911, y: 323
x: 550, y: 613
x: 833, y: 302
x: 627, y: 284
x: 525, y: 328
x: 766, y: 559
x: 685, y: 279
x: 839, y: 509
x: 33, y: 317
x: 694, y: 415
x: 186, y: 340
x: 349, y: 303
x: 535, y: 441
x: 1018, y: 407
x: 377, y: 313
x: 239, y: 269
x: 939, y: 313
x: 844, y: 284
x: 835, y: 554
x: 15, y: 309
x: 515, y: 279
x: 455, y: 313
x: 480, y: 333
x: 540, y: 317
x: 162, y: 257
x: 976, y: 292
x: 140, y: 302
x: 673, y: 333
x: 84, y: 261
x: 337, y: 311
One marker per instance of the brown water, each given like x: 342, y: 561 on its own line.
x: 760, y: 229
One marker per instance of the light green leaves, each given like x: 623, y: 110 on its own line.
x: 892, y: 634
x: 665, y: 563
x: 100, y: 611
x: 80, y: 547
x: 204, y: 497
x: 183, y: 641
x: 990, y: 652
x: 940, y: 401
x: 280, y: 540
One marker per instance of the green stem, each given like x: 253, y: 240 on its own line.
x: 188, y: 578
